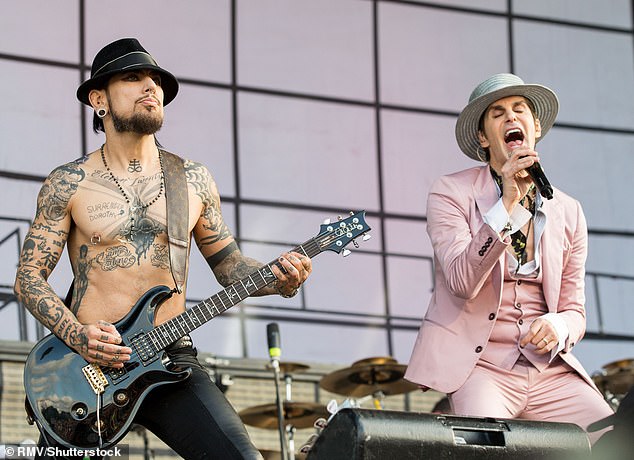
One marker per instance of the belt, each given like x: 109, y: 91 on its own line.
x: 183, y: 342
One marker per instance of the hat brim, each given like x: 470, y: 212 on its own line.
x: 168, y: 82
x: 467, y: 126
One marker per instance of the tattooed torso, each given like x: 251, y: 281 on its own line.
x: 118, y: 247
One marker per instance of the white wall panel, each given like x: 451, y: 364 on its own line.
x: 325, y: 343
x: 586, y: 68
x: 302, y: 46
x: 32, y: 28
x: 410, y: 283
x: 592, y: 167
x: 612, y: 13
x: 416, y: 149
x: 191, y: 40
x: 307, y: 152
x: 484, y: 5
x: 39, y: 119
x: 433, y: 58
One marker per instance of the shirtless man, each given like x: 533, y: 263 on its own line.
x: 109, y: 209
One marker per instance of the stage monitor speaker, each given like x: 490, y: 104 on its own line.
x: 361, y: 434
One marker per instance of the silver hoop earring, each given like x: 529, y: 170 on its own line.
x: 481, y: 154
x: 102, y: 112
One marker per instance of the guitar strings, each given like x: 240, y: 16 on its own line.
x: 327, y: 239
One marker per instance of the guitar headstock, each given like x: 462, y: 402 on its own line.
x: 337, y: 235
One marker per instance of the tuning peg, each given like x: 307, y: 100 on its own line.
x: 327, y: 221
x: 356, y: 245
x: 346, y: 252
x: 366, y: 236
x: 339, y: 218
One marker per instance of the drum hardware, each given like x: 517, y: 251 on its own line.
x: 614, y: 380
x: 296, y: 415
x: 371, y: 376
x: 222, y: 381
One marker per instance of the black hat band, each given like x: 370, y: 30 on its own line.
x: 120, y: 64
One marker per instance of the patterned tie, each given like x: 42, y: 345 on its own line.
x: 518, y: 239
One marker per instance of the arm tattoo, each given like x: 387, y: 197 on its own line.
x: 235, y: 267
x: 41, y: 251
x: 57, y: 191
x: 218, y: 257
x: 202, y: 182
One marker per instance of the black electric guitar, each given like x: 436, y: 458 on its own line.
x: 86, y: 406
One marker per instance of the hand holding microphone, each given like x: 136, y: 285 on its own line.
x: 541, y: 182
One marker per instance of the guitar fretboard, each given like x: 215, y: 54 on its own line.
x: 194, y: 317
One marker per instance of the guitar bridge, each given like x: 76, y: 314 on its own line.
x: 95, y: 377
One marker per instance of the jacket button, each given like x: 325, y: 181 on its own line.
x: 478, y: 349
x: 489, y: 240
x: 519, y: 282
x: 481, y: 252
x: 492, y: 316
x: 520, y: 322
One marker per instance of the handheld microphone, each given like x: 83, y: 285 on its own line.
x: 539, y: 178
x: 273, y: 338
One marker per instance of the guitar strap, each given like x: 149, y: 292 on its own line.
x: 177, y: 216
x: 177, y: 219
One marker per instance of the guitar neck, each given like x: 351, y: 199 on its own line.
x: 204, y: 311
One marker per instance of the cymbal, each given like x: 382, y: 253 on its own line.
x: 616, y: 377
x: 277, y: 455
x: 298, y: 414
x: 289, y: 367
x: 368, y: 376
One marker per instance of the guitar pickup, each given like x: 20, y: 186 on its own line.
x: 96, y: 378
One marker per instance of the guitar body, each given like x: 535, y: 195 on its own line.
x: 62, y: 398
x: 86, y: 406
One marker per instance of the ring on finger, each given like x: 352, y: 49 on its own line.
x: 546, y: 342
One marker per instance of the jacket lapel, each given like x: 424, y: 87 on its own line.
x: 551, y: 251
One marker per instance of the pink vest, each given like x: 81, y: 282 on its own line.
x: 522, y: 303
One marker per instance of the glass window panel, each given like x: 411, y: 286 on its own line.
x: 403, y: 343
x: 573, y: 159
x: 40, y: 29
x: 616, y: 296
x: 408, y: 237
x: 319, y: 343
x: 267, y: 223
x: 19, y: 198
x: 39, y: 123
x: 307, y: 152
x: 198, y: 126
x: 417, y: 150
x: 588, y: 93
x: 283, y: 45
x: 616, y: 13
x: 487, y: 5
x: 410, y: 286
x: 190, y: 42
x: 595, y: 354
x: 221, y: 336
x: 353, y: 284
x: 433, y: 58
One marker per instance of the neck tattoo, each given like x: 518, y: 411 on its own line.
x: 134, y: 166
x: 138, y: 208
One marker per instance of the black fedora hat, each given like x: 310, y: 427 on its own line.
x: 120, y: 56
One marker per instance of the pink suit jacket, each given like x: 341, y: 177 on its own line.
x: 468, y: 260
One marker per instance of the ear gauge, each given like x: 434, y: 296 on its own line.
x: 102, y: 112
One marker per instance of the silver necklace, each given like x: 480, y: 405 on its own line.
x: 134, y: 209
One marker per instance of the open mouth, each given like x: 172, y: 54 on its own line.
x: 514, y: 137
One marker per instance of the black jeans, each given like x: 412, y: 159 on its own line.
x: 193, y: 417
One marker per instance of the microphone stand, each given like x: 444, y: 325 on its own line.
x: 280, y: 408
